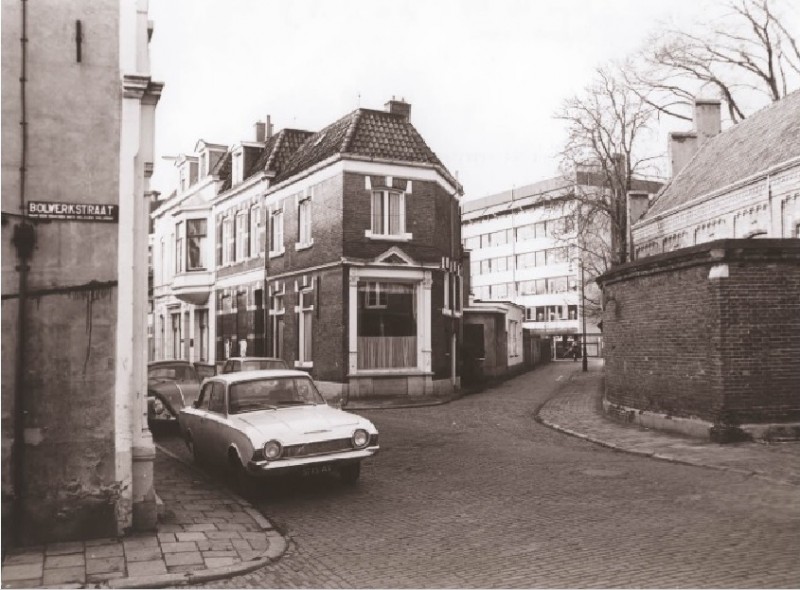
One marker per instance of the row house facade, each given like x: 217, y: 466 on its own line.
x: 743, y: 182
x: 338, y: 251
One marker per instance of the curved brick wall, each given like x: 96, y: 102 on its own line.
x: 709, y: 332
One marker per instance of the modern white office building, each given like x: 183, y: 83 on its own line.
x: 522, y: 245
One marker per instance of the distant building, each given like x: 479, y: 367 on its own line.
x: 522, y: 249
x: 338, y: 251
x: 740, y: 183
x: 77, y: 153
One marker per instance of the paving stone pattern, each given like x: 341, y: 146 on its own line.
x: 477, y: 493
x: 204, y: 527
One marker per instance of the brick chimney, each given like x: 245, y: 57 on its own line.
x: 638, y: 204
x: 260, y: 131
x: 682, y: 146
x: 707, y: 118
x: 398, y: 107
x: 707, y: 124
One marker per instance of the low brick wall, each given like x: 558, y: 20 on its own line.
x: 709, y: 333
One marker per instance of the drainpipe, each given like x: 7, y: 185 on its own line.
x: 24, y: 239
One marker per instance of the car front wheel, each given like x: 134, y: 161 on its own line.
x: 349, y: 474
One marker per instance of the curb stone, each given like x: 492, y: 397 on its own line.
x: 651, y: 454
x: 276, y: 547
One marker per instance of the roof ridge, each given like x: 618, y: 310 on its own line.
x: 351, y: 131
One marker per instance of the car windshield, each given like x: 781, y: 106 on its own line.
x: 266, y: 394
x: 182, y: 373
x: 205, y: 371
x: 261, y: 364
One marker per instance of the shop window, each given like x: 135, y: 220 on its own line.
x: 387, y: 325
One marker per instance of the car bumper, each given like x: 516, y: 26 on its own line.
x: 296, y: 464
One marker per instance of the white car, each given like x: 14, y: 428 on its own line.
x: 262, y: 423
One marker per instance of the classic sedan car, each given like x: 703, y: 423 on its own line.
x: 171, y: 385
x: 262, y: 423
x: 252, y: 363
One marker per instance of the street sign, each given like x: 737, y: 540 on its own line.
x: 75, y: 211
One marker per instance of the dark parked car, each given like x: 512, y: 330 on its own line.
x: 171, y: 385
x: 252, y: 363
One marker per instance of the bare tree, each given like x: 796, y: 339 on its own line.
x: 605, y: 156
x: 746, y: 56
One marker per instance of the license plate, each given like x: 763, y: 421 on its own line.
x: 317, y: 470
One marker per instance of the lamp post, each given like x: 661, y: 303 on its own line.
x: 584, y: 361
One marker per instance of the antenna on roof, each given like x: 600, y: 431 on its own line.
x: 358, y: 100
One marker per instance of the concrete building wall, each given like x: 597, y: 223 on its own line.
x: 707, y: 338
x: 76, y: 460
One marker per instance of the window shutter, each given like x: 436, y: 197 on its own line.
x: 219, y: 242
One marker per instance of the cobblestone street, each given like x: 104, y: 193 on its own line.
x: 475, y: 493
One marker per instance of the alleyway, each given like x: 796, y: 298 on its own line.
x: 475, y: 493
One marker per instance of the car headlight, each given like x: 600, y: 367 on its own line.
x: 158, y: 407
x: 360, y: 438
x: 272, y: 450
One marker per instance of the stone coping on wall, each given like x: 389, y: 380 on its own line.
x: 710, y: 253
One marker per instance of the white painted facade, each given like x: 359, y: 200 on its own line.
x: 766, y: 205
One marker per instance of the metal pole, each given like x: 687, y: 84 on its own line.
x: 585, y: 362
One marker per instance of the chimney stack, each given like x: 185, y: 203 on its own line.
x: 638, y: 204
x: 707, y: 118
x: 269, y: 127
x: 707, y: 124
x: 398, y: 107
x: 260, y: 131
x: 682, y: 146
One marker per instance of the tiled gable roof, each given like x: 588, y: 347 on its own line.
x: 763, y: 140
x: 279, y: 148
x: 367, y: 133
x: 224, y: 170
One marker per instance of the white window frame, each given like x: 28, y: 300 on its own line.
x: 242, y: 235
x: 374, y: 287
x: 384, y: 235
x: 228, y: 230
x: 278, y: 295
x: 276, y: 231
x: 255, y: 234
x: 304, y: 221
x: 305, y: 293
x: 180, y: 241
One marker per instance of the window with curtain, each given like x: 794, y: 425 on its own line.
x: 388, y: 213
x: 387, y: 325
x: 196, y: 244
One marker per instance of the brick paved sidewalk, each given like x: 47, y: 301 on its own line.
x: 206, y: 533
x: 576, y: 410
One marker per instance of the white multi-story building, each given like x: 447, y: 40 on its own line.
x: 520, y: 251
x: 524, y: 249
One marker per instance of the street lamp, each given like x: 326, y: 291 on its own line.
x: 584, y: 361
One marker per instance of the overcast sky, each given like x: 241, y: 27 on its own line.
x: 483, y: 77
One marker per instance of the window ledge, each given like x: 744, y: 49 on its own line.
x: 305, y: 246
x: 451, y: 313
x: 304, y: 364
x: 276, y: 254
x: 406, y: 237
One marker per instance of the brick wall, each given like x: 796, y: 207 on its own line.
x: 710, y: 332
